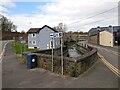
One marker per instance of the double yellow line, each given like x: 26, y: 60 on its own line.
x: 110, y: 66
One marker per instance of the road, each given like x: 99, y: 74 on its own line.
x: 16, y: 75
x: 110, y: 55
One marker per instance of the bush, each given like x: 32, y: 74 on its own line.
x: 73, y: 72
x: 17, y: 47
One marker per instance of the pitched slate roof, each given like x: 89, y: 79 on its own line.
x: 116, y: 28
x: 95, y: 31
x: 37, y: 30
x: 33, y: 30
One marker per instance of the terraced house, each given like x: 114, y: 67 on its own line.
x: 106, y: 36
x: 40, y: 38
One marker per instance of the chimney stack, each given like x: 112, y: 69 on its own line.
x: 110, y: 28
x: 98, y: 28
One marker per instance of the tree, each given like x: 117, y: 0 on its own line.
x: 14, y: 28
x: 23, y: 31
x: 61, y: 27
x: 7, y: 25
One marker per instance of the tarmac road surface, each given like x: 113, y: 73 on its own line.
x: 16, y: 75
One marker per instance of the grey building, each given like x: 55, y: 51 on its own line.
x: 40, y: 38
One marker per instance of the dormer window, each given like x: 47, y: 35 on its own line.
x: 33, y: 35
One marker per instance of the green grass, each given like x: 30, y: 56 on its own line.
x: 17, y: 47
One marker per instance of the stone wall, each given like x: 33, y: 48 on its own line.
x: 94, y: 39
x: 72, y: 66
x: 85, y: 61
x: 82, y: 48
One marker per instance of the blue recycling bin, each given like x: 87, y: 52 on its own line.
x: 31, y: 61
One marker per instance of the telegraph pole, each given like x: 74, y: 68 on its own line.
x: 62, y: 66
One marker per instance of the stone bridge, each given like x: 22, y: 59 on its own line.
x: 73, y: 66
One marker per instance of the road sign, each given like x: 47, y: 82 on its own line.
x: 53, y: 35
x: 22, y: 41
x: 21, y: 38
x: 56, y: 35
x: 60, y: 34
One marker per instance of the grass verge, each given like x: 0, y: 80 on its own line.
x: 19, y: 48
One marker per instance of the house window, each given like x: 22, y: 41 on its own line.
x: 34, y: 42
x: 33, y: 35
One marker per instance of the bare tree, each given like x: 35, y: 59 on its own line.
x: 23, y: 31
x: 61, y: 27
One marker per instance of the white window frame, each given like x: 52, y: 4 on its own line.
x: 33, y: 42
x: 34, y: 35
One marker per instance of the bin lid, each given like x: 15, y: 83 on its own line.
x: 30, y: 54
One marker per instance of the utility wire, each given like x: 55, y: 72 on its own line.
x: 102, y: 20
x: 96, y: 21
x: 93, y: 16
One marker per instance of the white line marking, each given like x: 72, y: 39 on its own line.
x: 3, y: 51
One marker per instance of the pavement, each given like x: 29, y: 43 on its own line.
x: 16, y: 75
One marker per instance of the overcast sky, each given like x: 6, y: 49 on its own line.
x: 73, y: 13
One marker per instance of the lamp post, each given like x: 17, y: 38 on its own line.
x: 62, y: 65
x: 52, y: 54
